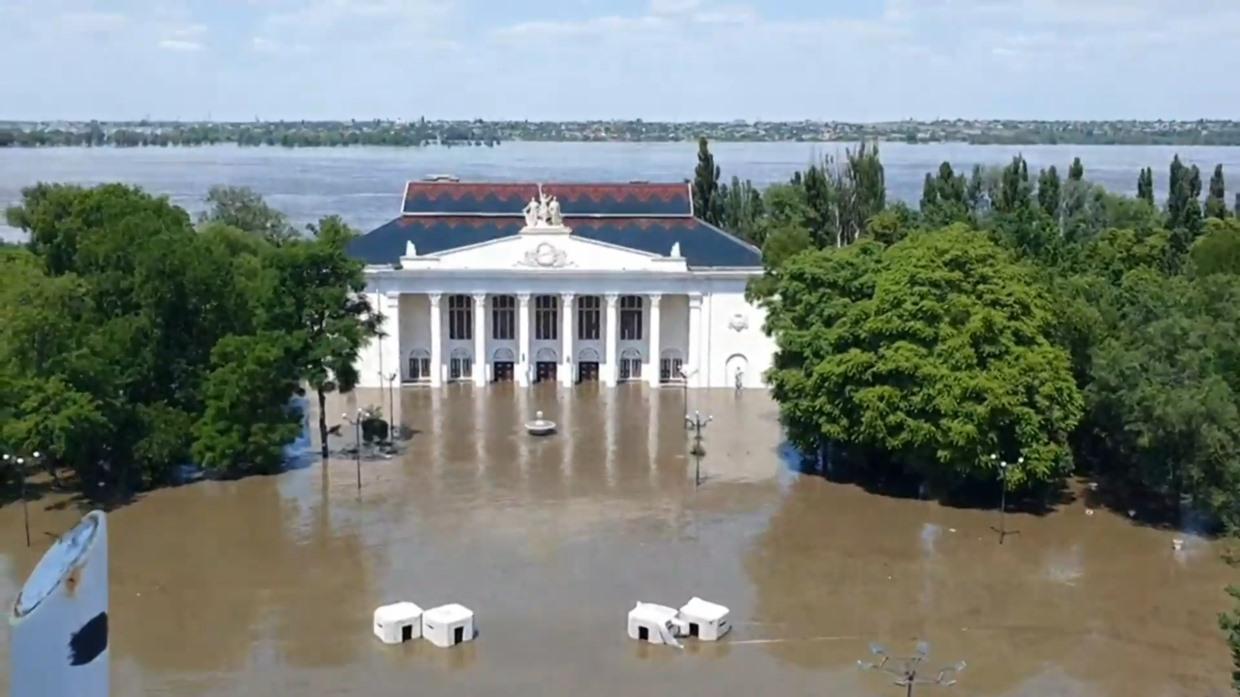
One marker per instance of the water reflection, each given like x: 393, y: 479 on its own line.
x: 265, y: 586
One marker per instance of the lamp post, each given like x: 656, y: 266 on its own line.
x: 906, y: 670
x: 1002, y: 467
x: 392, y: 427
x: 356, y: 422
x: 697, y: 422
x: 20, y: 464
x: 685, y: 374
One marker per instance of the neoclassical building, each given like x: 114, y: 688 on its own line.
x: 491, y: 282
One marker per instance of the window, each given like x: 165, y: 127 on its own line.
x: 503, y: 319
x: 460, y: 366
x: 545, y: 317
x: 588, y: 322
x: 670, y: 368
x: 630, y: 365
x: 460, y: 317
x: 631, y: 318
x: 419, y: 366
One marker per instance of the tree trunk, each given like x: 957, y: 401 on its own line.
x: 323, y: 420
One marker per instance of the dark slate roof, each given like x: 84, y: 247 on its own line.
x: 481, y: 198
x: 441, y: 216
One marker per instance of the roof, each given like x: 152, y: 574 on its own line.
x: 653, y: 613
x: 487, y: 198
x: 397, y: 612
x: 444, y: 215
x: 448, y: 614
x: 704, y: 610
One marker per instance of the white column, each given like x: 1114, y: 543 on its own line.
x: 694, y: 359
x: 480, y: 339
x: 390, y: 353
x: 611, y: 363
x: 654, y: 349
x: 436, y: 340
x: 566, y: 329
x: 523, y: 339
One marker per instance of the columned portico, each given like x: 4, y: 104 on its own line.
x: 611, y: 330
x: 566, y: 338
x: 598, y: 290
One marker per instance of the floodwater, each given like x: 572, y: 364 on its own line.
x: 364, y: 184
x: 265, y: 586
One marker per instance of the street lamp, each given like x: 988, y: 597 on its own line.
x: 357, y: 443
x: 1002, y: 467
x: 390, y: 379
x: 20, y: 464
x: 685, y: 374
x: 905, y: 669
x: 697, y: 422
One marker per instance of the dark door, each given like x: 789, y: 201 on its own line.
x: 503, y: 371
x: 406, y: 633
x: 459, y: 636
x: 545, y: 370
x: 587, y: 371
x: 693, y: 629
x: 643, y: 634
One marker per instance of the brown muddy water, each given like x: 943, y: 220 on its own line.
x: 265, y: 586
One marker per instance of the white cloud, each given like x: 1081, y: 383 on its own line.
x: 180, y: 45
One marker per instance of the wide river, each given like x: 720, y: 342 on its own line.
x: 364, y: 185
x: 265, y: 586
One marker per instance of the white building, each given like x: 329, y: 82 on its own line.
x: 483, y: 282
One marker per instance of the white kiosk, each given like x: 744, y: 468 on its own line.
x: 448, y: 625
x: 398, y: 623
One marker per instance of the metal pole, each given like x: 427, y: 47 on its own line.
x: 357, y: 451
x: 21, y: 472
x: 1002, y: 507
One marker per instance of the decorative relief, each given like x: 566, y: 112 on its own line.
x: 739, y: 322
x: 545, y: 256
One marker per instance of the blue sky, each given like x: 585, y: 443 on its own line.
x: 654, y: 59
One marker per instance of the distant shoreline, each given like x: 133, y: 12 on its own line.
x: 423, y: 133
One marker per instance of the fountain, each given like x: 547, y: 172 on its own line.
x: 540, y: 426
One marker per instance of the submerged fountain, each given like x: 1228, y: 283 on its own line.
x: 540, y: 426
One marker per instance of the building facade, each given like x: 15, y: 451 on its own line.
x: 485, y: 282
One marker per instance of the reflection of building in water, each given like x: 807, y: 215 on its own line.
x: 482, y: 283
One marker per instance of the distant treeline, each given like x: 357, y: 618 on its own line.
x: 478, y: 132
x: 290, y: 135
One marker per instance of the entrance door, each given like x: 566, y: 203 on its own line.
x: 587, y: 371
x: 503, y: 371
x: 459, y: 635
x: 544, y: 370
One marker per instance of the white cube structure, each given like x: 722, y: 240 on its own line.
x: 448, y: 625
x: 656, y: 624
x: 398, y: 623
x: 707, y: 621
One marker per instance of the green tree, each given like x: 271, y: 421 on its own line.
x: 1076, y: 172
x: 1048, y: 191
x: 248, y: 419
x: 318, y: 297
x: 944, y: 198
x: 741, y: 210
x: 706, y: 204
x: 932, y: 353
x: 1145, y: 185
x: 1014, y: 190
x: 1218, y: 250
x: 242, y: 208
x: 1216, y: 202
x: 1230, y: 624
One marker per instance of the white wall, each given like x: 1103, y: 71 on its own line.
x: 749, y: 346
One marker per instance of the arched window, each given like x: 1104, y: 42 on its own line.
x: 504, y: 355
x: 588, y: 355
x: 461, y: 365
x: 671, y: 366
x: 419, y: 366
x: 630, y: 364
x: 546, y: 355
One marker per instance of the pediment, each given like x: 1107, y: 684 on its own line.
x: 549, y: 252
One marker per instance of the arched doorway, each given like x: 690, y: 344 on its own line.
x: 502, y: 365
x: 671, y: 365
x: 545, y: 363
x: 587, y: 365
x: 630, y: 365
x: 737, y: 370
x: 418, y: 366
x: 461, y: 364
